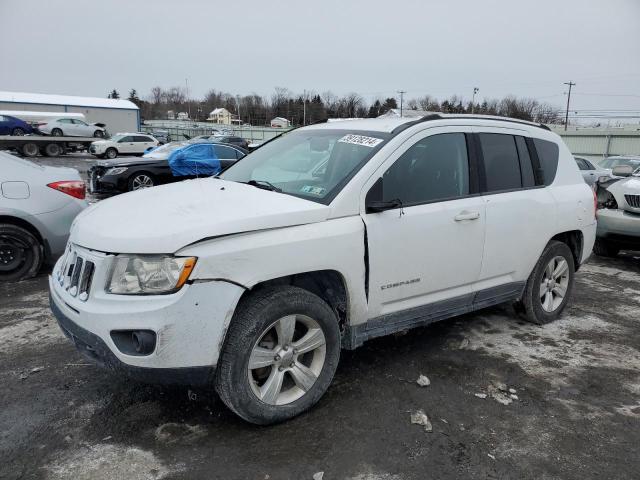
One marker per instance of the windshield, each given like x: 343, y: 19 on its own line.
x: 163, y: 151
x: 311, y: 164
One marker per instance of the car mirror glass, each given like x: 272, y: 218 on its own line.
x: 622, y: 171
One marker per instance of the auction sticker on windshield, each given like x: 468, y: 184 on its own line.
x: 313, y: 190
x: 360, y: 140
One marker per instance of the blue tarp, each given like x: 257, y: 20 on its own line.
x: 198, y: 159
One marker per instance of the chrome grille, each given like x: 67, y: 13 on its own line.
x: 633, y: 200
x: 76, y: 275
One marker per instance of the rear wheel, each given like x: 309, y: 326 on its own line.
x: 52, y: 150
x: 280, y: 355
x: 20, y: 253
x: 18, y: 132
x: 550, y: 284
x: 30, y: 150
x: 111, y: 153
x: 141, y: 180
x: 56, y: 132
x: 605, y: 249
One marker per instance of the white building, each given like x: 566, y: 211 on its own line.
x: 222, y: 116
x: 118, y: 115
x: 280, y: 122
x: 184, y: 116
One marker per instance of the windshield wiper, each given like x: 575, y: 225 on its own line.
x: 263, y: 184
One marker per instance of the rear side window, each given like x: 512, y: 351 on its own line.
x: 501, y: 162
x: 434, y: 168
x: 225, y: 153
x: 548, y: 155
x: 526, y: 168
x: 142, y: 139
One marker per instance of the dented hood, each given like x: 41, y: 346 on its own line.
x: 166, y: 218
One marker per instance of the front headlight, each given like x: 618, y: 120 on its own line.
x: 149, y: 274
x: 116, y: 171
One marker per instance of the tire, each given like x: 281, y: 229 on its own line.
x: 542, y: 300
x: 30, y: 150
x: 603, y: 248
x: 98, y: 134
x: 18, y: 132
x: 52, y: 150
x: 140, y: 180
x: 56, y: 132
x: 111, y: 153
x: 21, y: 253
x: 252, y: 327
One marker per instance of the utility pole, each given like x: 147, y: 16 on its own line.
x: 304, y: 107
x: 186, y: 82
x: 566, y: 115
x: 473, y: 100
x: 401, y: 92
x: 238, y: 103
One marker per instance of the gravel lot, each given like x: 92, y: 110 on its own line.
x: 576, y: 415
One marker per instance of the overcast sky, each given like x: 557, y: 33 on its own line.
x: 81, y: 47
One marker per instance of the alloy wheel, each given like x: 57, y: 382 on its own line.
x: 141, y: 181
x: 287, y: 359
x: 554, y: 283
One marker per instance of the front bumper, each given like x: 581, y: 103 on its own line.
x: 189, y: 325
x: 95, y: 350
x: 619, y: 226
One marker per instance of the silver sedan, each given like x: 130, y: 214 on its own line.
x: 37, y: 206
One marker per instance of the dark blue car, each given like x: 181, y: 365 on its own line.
x: 13, y: 126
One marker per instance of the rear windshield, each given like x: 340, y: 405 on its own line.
x: 312, y: 164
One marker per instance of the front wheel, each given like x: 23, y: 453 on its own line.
x: 17, y: 132
x: 56, y: 132
x: 280, y: 355
x: 98, y: 134
x: 550, y: 284
x: 141, y: 180
x: 111, y: 153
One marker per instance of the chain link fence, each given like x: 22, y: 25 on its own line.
x: 177, y: 130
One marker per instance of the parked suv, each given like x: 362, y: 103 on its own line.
x: 254, y: 280
x: 123, y: 144
x: 619, y: 210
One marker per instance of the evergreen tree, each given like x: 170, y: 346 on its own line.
x: 114, y: 94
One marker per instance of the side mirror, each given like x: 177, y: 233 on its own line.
x: 622, y: 171
x: 374, y: 202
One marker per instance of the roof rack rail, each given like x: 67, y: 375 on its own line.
x: 436, y: 116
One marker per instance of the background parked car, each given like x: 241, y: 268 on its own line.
x: 71, y: 127
x: 612, y: 162
x: 163, y: 136
x: 37, y: 206
x: 123, y: 144
x: 110, y: 177
x: 230, y: 139
x: 14, y: 126
x: 618, y: 212
x: 591, y: 171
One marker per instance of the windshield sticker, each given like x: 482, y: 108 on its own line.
x: 319, y: 191
x: 360, y: 140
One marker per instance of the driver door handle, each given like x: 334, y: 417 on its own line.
x: 466, y: 215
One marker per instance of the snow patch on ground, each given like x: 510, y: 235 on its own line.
x: 37, y: 328
x: 552, y: 351
x: 109, y: 462
x: 625, y: 275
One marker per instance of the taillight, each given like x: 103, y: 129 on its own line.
x: 75, y: 188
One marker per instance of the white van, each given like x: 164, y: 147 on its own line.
x: 322, y: 239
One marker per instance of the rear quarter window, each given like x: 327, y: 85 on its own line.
x: 548, y: 153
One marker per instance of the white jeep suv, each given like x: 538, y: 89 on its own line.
x: 252, y: 282
x: 123, y: 144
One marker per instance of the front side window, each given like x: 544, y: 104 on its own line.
x: 290, y: 162
x: 435, y: 168
x: 125, y: 139
x: 501, y: 162
x: 79, y: 122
